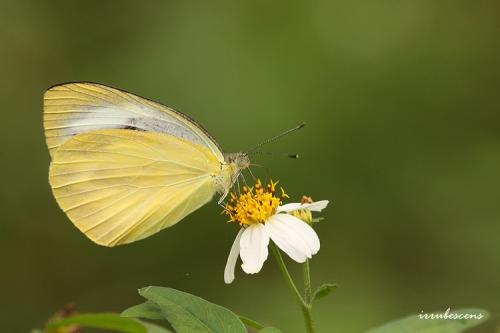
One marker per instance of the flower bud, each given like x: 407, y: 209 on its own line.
x: 303, y: 214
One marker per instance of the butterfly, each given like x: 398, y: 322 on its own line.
x: 124, y: 167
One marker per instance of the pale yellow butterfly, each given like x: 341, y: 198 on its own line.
x: 124, y: 167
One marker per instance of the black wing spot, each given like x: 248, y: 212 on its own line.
x: 132, y: 125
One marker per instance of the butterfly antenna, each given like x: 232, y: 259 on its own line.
x: 265, y: 142
x: 295, y: 156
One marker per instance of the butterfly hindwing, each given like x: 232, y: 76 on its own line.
x: 118, y: 186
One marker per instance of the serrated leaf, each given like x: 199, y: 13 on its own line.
x: 146, y: 310
x: 269, y: 330
x: 414, y: 324
x: 323, y: 290
x: 191, y: 314
x: 107, y: 321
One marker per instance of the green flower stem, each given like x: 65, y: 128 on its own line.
x: 286, y: 274
x: 307, y: 283
x: 304, y: 305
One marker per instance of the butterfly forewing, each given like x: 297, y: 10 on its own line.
x: 74, y: 108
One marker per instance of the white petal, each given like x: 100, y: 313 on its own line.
x: 316, y: 206
x: 303, y: 230
x: 290, y: 207
x: 253, y: 248
x: 295, y: 237
x: 233, y: 257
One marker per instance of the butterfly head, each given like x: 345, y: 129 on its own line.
x: 230, y: 171
x: 238, y: 161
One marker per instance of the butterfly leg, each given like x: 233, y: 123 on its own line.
x: 251, y: 174
x: 221, y: 199
x: 238, y: 185
x: 244, y: 180
x: 263, y: 167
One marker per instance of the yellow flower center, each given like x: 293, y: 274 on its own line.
x: 255, y: 204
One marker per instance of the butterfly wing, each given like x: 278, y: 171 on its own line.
x: 118, y: 186
x: 73, y: 108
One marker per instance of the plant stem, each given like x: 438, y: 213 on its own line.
x: 308, y: 296
x: 307, y: 283
x: 286, y: 274
x: 304, y: 305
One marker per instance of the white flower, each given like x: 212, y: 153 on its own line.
x: 293, y: 236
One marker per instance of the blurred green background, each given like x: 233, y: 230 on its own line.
x: 402, y: 105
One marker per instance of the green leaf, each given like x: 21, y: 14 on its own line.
x: 269, y: 330
x: 414, y: 324
x: 323, y: 290
x: 251, y: 323
x: 107, y: 321
x: 153, y: 328
x: 147, y: 310
x: 191, y: 314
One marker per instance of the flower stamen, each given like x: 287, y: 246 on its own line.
x: 255, y: 204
